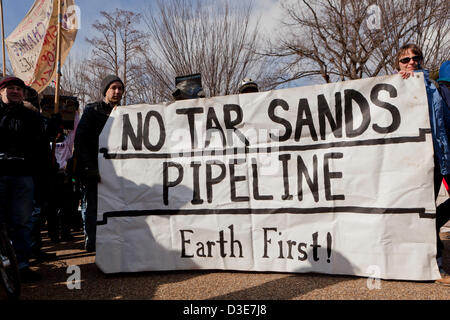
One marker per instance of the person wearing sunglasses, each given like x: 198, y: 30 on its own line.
x: 409, y: 59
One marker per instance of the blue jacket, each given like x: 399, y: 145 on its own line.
x: 445, y: 94
x: 439, y: 121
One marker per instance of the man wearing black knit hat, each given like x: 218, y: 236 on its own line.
x: 86, y: 151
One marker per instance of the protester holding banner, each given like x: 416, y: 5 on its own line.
x: 89, y: 128
x: 443, y: 210
x: 22, y: 154
x: 410, y: 60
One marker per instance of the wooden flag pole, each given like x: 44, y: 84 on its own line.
x: 58, y: 75
x: 3, y: 40
x: 58, y: 58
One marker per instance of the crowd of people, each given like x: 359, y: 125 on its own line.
x: 41, y: 183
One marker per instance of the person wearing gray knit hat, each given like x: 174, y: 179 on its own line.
x: 86, y: 146
x: 112, y: 88
x: 108, y: 80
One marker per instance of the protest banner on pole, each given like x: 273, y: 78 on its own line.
x: 32, y: 46
x: 334, y: 178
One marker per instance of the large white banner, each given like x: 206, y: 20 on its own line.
x: 335, y: 179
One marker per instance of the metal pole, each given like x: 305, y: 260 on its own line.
x: 3, y: 40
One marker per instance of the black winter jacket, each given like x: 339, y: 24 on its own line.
x: 24, y: 148
x: 89, y: 128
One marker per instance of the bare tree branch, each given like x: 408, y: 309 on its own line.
x: 335, y: 39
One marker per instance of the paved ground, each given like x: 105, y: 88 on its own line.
x: 212, y: 285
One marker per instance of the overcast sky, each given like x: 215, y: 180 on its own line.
x: 15, y: 10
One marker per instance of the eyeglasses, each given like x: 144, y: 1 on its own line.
x: 407, y: 59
